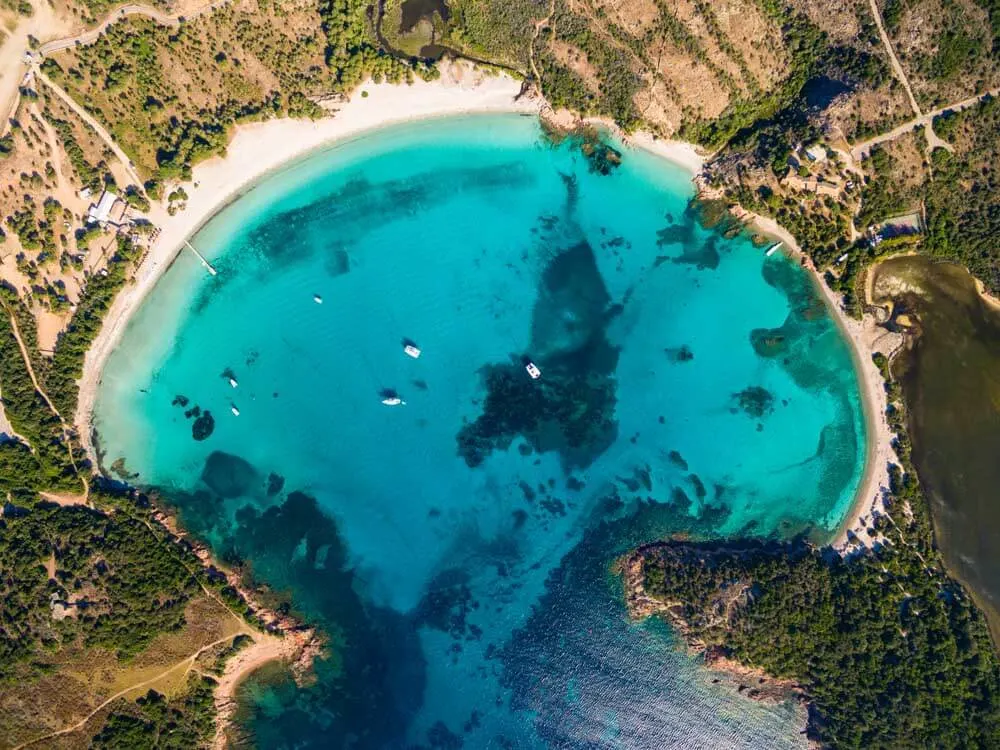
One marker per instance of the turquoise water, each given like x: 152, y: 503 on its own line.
x: 457, y: 549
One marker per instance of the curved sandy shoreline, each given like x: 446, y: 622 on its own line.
x: 259, y: 149
x: 862, y: 336
x: 262, y: 148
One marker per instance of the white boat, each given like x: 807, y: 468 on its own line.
x: 394, y: 401
x: 773, y: 249
x: 412, y: 351
x: 232, y: 382
x: 317, y: 299
x: 235, y: 411
x: 533, y: 370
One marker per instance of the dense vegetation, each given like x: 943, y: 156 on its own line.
x: 46, y: 462
x: 890, y: 655
x: 121, y: 587
x: 98, y: 293
x: 963, y: 199
x: 169, y: 109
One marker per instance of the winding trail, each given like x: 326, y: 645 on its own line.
x: 94, y: 124
x: 187, y: 663
x: 66, y: 430
x: 539, y: 25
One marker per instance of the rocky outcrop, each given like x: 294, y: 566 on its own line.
x: 752, y: 682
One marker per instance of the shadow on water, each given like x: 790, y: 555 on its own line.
x: 951, y: 383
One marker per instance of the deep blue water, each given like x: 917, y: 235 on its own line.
x: 457, y: 550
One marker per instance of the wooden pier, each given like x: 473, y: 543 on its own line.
x: 208, y: 266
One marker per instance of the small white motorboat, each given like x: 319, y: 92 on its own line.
x: 773, y: 249
x: 533, y: 370
x: 391, y: 398
x: 317, y: 299
x: 235, y: 411
x: 412, y: 351
x: 232, y: 382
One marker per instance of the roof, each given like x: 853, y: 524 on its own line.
x: 117, y: 212
x: 102, y: 210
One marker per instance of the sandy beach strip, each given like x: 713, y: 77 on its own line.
x: 864, y: 336
x: 262, y: 148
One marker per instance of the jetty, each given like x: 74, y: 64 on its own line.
x: 208, y: 266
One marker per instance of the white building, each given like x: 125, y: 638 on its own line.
x: 109, y: 209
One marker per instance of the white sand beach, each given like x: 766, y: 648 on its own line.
x: 260, y: 148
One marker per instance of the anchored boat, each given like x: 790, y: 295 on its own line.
x: 411, y: 349
x: 391, y: 398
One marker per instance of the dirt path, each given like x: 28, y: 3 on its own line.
x: 132, y: 9
x: 93, y: 123
x: 45, y: 397
x: 539, y: 25
x: 187, y: 663
x: 862, y: 149
x: 896, y: 67
x: 50, y: 135
x: 43, y: 23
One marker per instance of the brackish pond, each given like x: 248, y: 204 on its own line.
x: 951, y: 383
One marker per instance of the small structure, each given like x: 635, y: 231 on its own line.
x: 110, y: 209
x: 117, y: 215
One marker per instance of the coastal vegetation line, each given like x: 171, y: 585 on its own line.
x: 755, y: 140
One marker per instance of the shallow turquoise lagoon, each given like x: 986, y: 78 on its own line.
x: 457, y: 549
